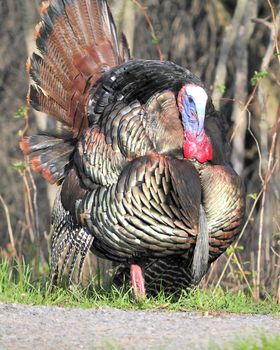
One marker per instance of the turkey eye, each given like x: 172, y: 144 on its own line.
x: 190, y: 100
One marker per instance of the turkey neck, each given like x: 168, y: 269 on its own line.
x: 224, y: 203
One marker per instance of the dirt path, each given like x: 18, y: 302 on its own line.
x: 25, y: 327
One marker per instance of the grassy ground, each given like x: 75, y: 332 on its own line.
x: 264, y: 343
x: 16, y: 287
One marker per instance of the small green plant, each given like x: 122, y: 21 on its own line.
x: 155, y: 39
x: 258, y: 75
x: 20, y: 113
x: 19, y: 166
x: 252, y: 195
x: 221, y: 88
x: 233, y: 249
x: 261, y: 343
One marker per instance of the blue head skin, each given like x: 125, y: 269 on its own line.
x: 192, y: 103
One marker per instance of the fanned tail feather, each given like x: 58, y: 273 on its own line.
x: 49, y: 156
x: 77, y: 43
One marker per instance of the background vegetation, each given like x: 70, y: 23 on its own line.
x: 233, y: 46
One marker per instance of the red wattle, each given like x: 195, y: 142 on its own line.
x: 199, y: 147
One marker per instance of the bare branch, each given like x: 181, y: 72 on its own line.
x: 10, y: 230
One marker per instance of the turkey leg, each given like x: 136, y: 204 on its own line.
x: 137, y: 281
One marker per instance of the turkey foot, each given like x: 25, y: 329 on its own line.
x: 137, y: 281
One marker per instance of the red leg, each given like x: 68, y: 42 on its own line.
x: 137, y: 281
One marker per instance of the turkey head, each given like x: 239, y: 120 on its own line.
x: 192, y: 102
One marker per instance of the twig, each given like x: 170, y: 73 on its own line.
x: 262, y: 21
x: 10, y: 230
x: 29, y: 210
x: 257, y: 145
x: 240, y: 121
x: 243, y: 273
x: 235, y: 277
x: 278, y: 293
x: 152, y: 30
x: 34, y: 202
x: 253, y: 268
x: 26, y: 126
x: 273, y: 250
x: 213, y: 267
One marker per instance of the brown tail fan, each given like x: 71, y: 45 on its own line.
x: 77, y: 43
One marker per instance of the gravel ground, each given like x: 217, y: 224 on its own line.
x: 29, y: 327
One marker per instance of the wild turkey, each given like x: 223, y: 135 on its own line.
x: 140, y: 154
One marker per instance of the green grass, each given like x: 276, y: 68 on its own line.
x: 16, y: 287
x: 263, y: 343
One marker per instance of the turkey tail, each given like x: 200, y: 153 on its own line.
x: 201, y: 251
x: 49, y: 155
x: 77, y: 43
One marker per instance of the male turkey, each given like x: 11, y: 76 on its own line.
x: 140, y: 154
